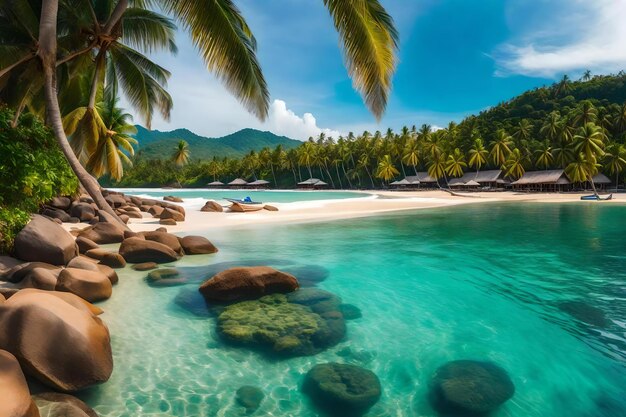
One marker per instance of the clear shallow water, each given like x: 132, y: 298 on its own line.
x: 266, y: 196
x: 474, y: 282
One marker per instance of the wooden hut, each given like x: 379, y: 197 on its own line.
x: 490, y: 179
x: 547, y: 180
x: 312, y: 183
x: 259, y: 184
x: 237, y: 183
x: 422, y: 180
x: 403, y: 183
x: 601, y: 181
x: 215, y: 184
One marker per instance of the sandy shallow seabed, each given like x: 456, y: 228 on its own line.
x: 375, y: 203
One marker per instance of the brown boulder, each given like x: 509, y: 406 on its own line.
x: 83, y: 262
x: 19, y: 272
x: 247, y: 283
x: 62, y: 203
x: 56, y: 214
x: 97, y: 253
x: 16, y: 401
x: 165, y: 238
x: 169, y: 213
x: 173, y: 199
x: 270, y: 208
x: 7, y: 263
x: 155, y: 210
x: 109, y: 272
x: 53, y: 404
x: 89, y: 285
x: 113, y: 260
x: 136, y: 250
x: 83, y: 211
x: 64, y: 347
x: 197, y: 245
x: 41, y: 278
x: 85, y: 244
x: 168, y: 222
x: 103, y: 233
x: 146, y: 266
x: 71, y: 299
x: 45, y: 241
x: 212, y: 206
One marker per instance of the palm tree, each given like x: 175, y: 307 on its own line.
x: 586, y: 75
x: 615, y: 160
x: 585, y: 113
x: 523, y: 131
x: 306, y: 156
x: 227, y: 46
x: 552, y: 126
x: 181, y: 154
x: 386, y: 170
x: 456, y: 163
x: 563, y: 86
x: 477, y: 155
x: 619, y: 121
x: 437, y: 168
x: 583, y: 170
x: 515, y: 164
x: 214, y: 168
x: 543, y: 155
x: 411, y: 154
x: 500, y: 147
x: 590, y: 141
x: 363, y: 163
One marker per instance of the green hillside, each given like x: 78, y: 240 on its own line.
x: 154, y: 144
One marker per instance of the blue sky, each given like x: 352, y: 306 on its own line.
x: 456, y: 57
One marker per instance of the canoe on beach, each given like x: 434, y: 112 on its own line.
x: 596, y: 198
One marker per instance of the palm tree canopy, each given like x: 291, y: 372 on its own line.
x: 181, y: 153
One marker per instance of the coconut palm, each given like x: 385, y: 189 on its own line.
x: 455, y: 163
x: 563, y: 154
x: 543, y: 155
x: 585, y: 113
x: 522, y: 131
x: 478, y: 155
x: 227, y: 46
x: 619, y: 121
x: 515, y: 163
x: 500, y: 147
x: 582, y: 170
x: 615, y: 160
x: 562, y: 87
x: 437, y: 167
x: 551, y: 126
x: 411, y: 154
x: 586, y: 75
x: 590, y: 141
x: 386, y: 170
x: 306, y: 156
x: 181, y: 154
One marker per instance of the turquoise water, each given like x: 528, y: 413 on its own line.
x: 487, y: 282
x: 266, y: 196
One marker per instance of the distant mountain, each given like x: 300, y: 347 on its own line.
x: 154, y: 144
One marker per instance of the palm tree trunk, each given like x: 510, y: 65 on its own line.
x: 295, y: 179
x: 370, y: 175
x: 332, y: 182
x: 310, y: 173
x: 345, y: 174
x: 415, y: 169
x: 273, y: 175
x: 47, y: 54
x: 338, y: 176
x: 402, y: 166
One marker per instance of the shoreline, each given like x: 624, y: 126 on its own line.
x: 371, y: 203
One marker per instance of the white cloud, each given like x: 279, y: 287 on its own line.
x: 596, y: 39
x: 283, y: 121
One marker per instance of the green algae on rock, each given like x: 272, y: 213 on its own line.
x: 250, y: 397
x: 277, y: 326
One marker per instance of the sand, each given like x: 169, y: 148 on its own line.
x: 373, y: 203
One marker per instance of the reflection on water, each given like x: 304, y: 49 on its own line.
x: 537, y: 289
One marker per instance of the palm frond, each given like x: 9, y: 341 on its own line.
x: 227, y: 46
x: 148, y: 30
x: 370, y: 43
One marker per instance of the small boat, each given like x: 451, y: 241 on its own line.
x: 594, y: 197
x: 244, y: 205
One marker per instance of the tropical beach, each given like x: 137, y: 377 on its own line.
x: 341, y: 208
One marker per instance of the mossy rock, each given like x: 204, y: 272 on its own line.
x: 249, y: 397
x: 274, y: 325
x: 470, y: 388
x: 341, y: 389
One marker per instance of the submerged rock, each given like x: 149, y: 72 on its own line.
x: 585, y: 313
x: 278, y: 327
x: 192, y: 301
x: 342, y: 390
x: 350, y: 312
x: 146, y: 266
x: 197, y: 245
x: 246, y: 283
x: 249, y: 397
x: 165, y: 277
x: 470, y: 388
x: 308, y: 275
x: 53, y: 404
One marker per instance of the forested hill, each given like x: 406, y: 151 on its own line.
x: 535, y: 108
x: 154, y: 144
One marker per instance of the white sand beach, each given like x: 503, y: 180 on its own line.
x: 377, y: 202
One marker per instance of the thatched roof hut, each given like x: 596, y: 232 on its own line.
x: 456, y: 182
x: 402, y: 182
x: 600, y: 178
x: 550, y: 176
x: 258, y: 183
x: 421, y: 178
x: 312, y: 183
x: 472, y: 183
x: 215, y: 184
x: 238, y: 182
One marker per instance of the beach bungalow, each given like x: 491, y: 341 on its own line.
x: 259, y: 184
x: 215, y: 184
x: 601, y: 181
x: 312, y: 183
x: 456, y: 182
x: 422, y: 180
x: 547, y: 180
x: 403, y: 183
x: 238, y: 183
x: 493, y: 178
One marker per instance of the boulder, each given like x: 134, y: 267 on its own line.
x: 212, y: 206
x: 342, y: 389
x: 166, y: 239
x: 7, y: 263
x: 41, y: 278
x: 585, y: 312
x: 270, y: 208
x: 103, y: 233
x: 470, y: 387
x: 54, y: 404
x: 130, y: 233
x: 113, y: 260
x: 173, y: 199
x: 64, y: 347
x: 168, y: 222
x: 133, y: 214
x: 21, y: 271
x: 62, y: 203
x: 45, y: 241
x: 155, y: 210
x: 165, y: 277
x: 109, y: 272
x: 125, y: 218
x: 71, y: 299
x: 16, y: 401
x: 56, y: 214
x: 89, y: 285
x: 136, y: 250
x: 83, y: 211
x: 169, y: 213
x: 97, y: 254
x: 161, y: 229
x: 85, y: 244
x: 350, y: 311
x: 174, y: 207
x: 83, y: 262
x: 197, y: 245
x: 115, y: 200
x: 247, y: 283
x: 249, y: 397
x: 146, y: 266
